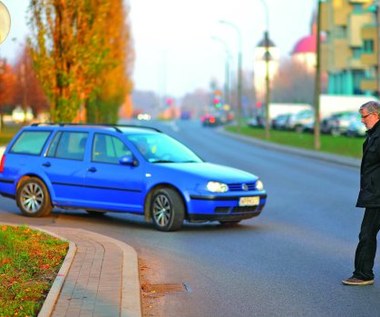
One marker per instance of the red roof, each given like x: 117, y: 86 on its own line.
x: 307, y: 44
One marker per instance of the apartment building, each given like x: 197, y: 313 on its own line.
x: 350, y: 49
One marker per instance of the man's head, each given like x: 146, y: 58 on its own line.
x: 370, y: 112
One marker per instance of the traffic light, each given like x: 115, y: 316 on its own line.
x: 217, y: 102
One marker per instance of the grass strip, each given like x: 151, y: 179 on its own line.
x: 342, y: 145
x: 29, y: 263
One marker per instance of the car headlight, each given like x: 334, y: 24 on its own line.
x: 259, y: 185
x: 217, y: 187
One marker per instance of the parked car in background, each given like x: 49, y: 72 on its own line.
x: 308, y: 127
x: 298, y: 120
x: 280, y: 122
x: 125, y: 169
x: 337, y: 123
x: 356, y: 128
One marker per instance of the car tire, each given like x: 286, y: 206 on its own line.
x: 33, y: 198
x: 167, y: 209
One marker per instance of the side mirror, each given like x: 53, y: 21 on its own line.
x: 128, y: 160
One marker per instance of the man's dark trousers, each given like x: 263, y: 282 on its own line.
x: 366, y: 249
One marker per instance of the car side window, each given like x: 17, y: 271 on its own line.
x: 108, y: 149
x: 68, y: 145
x: 30, y: 142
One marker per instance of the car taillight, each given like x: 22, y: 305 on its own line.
x: 2, y: 163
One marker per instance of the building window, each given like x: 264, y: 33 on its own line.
x: 357, y: 8
x: 370, y: 73
x: 368, y: 46
x: 356, y: 53
x: 340, y: 32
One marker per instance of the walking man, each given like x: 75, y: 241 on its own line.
x: 369, y: 197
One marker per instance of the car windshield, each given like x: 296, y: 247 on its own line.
x: 161, y: 148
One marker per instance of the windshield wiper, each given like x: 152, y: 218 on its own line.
x: 163, y: 161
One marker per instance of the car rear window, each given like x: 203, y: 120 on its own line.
x: 30, y: 142
x: 68, y: 145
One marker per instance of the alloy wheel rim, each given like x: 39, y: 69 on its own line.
x: 32, y: 198
x: 161, y: 210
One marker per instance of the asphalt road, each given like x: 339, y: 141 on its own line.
x: 289, y: 261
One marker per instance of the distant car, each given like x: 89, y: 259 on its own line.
x: 125, y: 169
x: 356, y: 128
x: 280, y: 122
x: 256, y: 122
x: 298, y: 120
x: 337, y: 123
x: 185, y: 115
x: 211, y: 120
x: 144, y: 116
x: 308, y: 127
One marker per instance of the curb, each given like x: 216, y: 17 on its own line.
x: 327, y: 157
x: 50, y: 300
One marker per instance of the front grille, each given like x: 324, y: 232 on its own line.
x: 239, y: 186
x: 244, y: 209
x: 224, y: 210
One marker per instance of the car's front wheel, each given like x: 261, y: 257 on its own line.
x: 33, y: 198
x: 167, y: 209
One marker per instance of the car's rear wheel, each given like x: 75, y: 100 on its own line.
x: 167, y: 209
x: 33, y: 198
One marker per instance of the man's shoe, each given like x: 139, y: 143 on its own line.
x: 357, y: 282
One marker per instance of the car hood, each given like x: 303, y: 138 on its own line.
x: 210, y: 171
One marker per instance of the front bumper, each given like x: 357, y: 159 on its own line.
x: 216, y: 208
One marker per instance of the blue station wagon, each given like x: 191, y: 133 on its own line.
x: 120, y: 168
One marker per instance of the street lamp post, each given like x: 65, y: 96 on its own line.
x: 239, y: 72
x: 267, y: 73
x: 227, y: 70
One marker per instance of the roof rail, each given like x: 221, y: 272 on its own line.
x: 115, y: 126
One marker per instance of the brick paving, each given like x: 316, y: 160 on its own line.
x: 95, y: 282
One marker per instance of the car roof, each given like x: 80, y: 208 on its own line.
x: 121, y: 128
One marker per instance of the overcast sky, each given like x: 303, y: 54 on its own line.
x: 173, y: 39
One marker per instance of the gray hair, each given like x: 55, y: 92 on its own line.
x: 371, y: 106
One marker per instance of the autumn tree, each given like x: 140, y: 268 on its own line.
x: 114, y: 80
x: 71, y: 50
x: 28, y: 91
x: 7, y: 84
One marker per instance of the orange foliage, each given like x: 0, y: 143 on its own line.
x: 7, y: 84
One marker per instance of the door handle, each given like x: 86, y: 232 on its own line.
x: 46, y: 164
x: 92, y: 169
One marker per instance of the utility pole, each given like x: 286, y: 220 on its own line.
x: 267, y: 85
x: 317, y: 89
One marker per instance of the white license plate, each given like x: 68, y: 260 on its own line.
x: 249, y: 201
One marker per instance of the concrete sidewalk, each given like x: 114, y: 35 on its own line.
x: 99, y: 277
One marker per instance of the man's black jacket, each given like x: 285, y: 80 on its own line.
x: 369, y: 195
